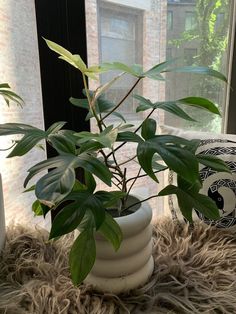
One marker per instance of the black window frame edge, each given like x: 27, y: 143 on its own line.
x: 230, y: 110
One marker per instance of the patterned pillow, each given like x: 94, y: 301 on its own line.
x: 220, y: 186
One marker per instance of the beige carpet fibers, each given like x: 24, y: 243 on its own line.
x: 195, y: 272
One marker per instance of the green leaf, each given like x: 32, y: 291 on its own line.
x: 82, y: 256
x: 62, y: 143
x: 90, y: 182
x: 27, y: 143
x: 155, y: 71
x: 69, y: 217
x: 8, y: 94
x: 173, y: 108
x: 169, y: 106
x: 188, y: 201
x: 148, y: 128
x: 58, y: 183
x: 111, y: 198
x: 175, y: 153
x: 128, y: 136
x: 16, y: 128
x: 55, y: 127
x: 119, y: 115
x: 37, y: 208
x: 64, y: 54
x: 200, y: 102
x: 198, y: 70
x: 135, y: 70
x: 111, y: 231
x: 213, y: 162
x: 40, y: 209
x: 55, y: 185
x: 81, y: 103
x: 4, y: 85
x: 30, y: 189
x: 90, y: 146
x: 107, y: 137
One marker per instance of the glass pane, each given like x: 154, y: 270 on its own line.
x: 149, y: 32
x: 200, y: 37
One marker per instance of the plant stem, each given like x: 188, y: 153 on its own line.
x: 135, y: 179
x: 128, y: 160
x: 122, y: 100
x: 142, y: 175
x: 150, y: 113
x: 91, y: 105
x: 139, y: 202
x: 122, y: 144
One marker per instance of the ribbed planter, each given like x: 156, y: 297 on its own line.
x: 2, y: 217
x: 132, y: 265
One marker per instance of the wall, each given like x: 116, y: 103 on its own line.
x: 19, y: 66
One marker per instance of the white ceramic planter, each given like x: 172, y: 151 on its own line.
x: 2, y: 217
x: 132, y: 265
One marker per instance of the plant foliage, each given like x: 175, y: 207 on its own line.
x: 82, y: 205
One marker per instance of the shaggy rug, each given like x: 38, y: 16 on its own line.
x: 195, y: 272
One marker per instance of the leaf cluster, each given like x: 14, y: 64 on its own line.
x: 82, y: 205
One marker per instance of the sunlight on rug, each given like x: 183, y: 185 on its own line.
x: 195, y: 272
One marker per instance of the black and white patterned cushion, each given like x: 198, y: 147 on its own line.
x: 220, y: 186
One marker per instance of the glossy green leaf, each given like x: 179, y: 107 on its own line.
x: 69, y: 217
x: 188, y: 201
x: 62, y: 143
x: 155, y: 71
x: 55, y: 185
x: 173, y: 108
x: 200, y: 102
x: 89, y: 181
x: 58, y: 183
x: 111, y: 231
x: 111, y: 198
x: 28, y: 142
x: 90, y: 146
x: 16, y: 128
x: 135, y: 70
x: 198, y: 70
x: 107, y: 137
x: 213, y: 162
x: 148, y: 129
x: 128, y: 136
x: 174, y: 152
x: 9, y: 95
x: 55, y: 127
x: 82, y: 256
x: 81, y: 103
x: 37, y: 208
x: 64, y: 54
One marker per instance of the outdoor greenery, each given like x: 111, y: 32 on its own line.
x: 211, y: 36
x: 82, y: 205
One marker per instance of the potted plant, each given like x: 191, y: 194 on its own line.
x: 108, y: 216
x: 7, y: 95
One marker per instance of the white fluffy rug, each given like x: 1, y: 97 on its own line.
x: 195, y: 272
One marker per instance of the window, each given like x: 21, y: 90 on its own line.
x: 189, y: 55
x: 168, y: 53
x: 143, y: 32
x: 190, y: 21
x: 169, y: 20
x: 119, y: 37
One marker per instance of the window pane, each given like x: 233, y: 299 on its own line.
x: 202, y: 40
x: 149, y: 32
